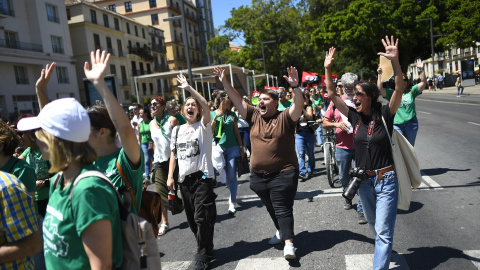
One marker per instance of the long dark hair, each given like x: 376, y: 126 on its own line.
x: 372, y: 91
x: 99, y: 118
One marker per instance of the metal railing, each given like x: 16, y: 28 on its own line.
x: 21, y: 45
x: 7, y: 11
x: 58, y: 50
x: 53, y: 18
x: 111, y: 51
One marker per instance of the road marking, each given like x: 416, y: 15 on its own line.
x: 424, y: 112
x: 263, y: 264
x: 180, y: 265
x: 430, y: 182
x: 473, y: 123
x: 474, y: 256
x: 461, y: 103
x: 365, y: 262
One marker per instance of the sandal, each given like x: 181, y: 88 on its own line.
x: 163, y: 229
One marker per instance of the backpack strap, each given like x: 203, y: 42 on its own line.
x: 13, y: 165
x: 93, y: 174
x: 128, y: 185
x: 56, y: 179
x: 176, y: 139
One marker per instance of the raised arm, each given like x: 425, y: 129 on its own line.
x: 391, y: 53
x: 382, y: 90
x: 203, y: 102
x: 42, y: 84
x: 423, y: 78
x: 233, y: 95
x: 96, y: 75
x: 296, y: 109
x: 337, y: 100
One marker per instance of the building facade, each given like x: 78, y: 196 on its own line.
x: 33, y: 34
x: 206, y: 28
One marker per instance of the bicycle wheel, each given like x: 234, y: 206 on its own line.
x: 328, y: 164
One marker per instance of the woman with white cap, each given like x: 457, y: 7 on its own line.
x: 81, y: 231
x: 105, y: 121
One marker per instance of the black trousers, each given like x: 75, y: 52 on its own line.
x: 277, y: 191
x: 201, y: 211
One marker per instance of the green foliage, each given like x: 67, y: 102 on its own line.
x: 305, y: 29
x: 133, y: 98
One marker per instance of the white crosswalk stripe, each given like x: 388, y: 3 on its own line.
x: 263, y: 264
x: 473, y: 256
x: 365, y: 262
x: 176, y: 265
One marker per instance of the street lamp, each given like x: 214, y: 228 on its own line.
x: 185, y: 42
x: 263, y: 55
x: 431, y: 44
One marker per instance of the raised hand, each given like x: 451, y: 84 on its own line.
x: 329, y: 58
x: 219, y: 72
x: 419, y: 63
x: 45, y: 76
x: 391, y: 48
x: 379, y: 70
x: 182, y: 81
x: 99, y: 66
x: 292, y: 78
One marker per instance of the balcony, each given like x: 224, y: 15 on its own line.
x: 6, y: 12
x: 160, y: 67
x: 121, y: 54
x: 111, y: 51
x: 159, y: 48
x: 21, y: 45
x: 143, y: 53
x: 136, y: 72
x: 125, y: 82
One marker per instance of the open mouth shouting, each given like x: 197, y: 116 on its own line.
x: 263, y: 108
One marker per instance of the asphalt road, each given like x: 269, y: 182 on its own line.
x: 440, y: 231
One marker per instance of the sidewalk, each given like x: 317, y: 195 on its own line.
x: 471, y: 94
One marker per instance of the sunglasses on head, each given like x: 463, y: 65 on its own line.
x: 359, y: 94
x: 281, y: 93
x: 339, y: 85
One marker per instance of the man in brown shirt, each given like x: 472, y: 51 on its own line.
x: 273, y: 159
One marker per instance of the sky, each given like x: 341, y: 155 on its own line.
x: 221, y: 12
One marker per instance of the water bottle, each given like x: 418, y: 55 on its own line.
x: 171, y: 198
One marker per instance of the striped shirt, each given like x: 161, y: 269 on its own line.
x: 17, y: 218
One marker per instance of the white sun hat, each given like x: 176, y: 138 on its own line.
x: 63, y: 118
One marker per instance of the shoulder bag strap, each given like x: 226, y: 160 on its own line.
x: 56, y: 179
x: 128, y: 185
x: 388, y: 133
x: 176, y: 139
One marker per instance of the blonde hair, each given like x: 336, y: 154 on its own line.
x: 63, y: 152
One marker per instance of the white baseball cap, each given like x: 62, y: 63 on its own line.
x: 63, y: 118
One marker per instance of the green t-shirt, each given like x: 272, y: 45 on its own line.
x: 93, y: 200
x: 318, y: 102
x: 407, y: 110
x: 108, y: 166
x: 227, y: 137
x: 145, y: 131
x: 34, y: 159
x: 181, y: 119
x: 284, y: 106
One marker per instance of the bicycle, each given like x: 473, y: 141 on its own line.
x: 329, y: 150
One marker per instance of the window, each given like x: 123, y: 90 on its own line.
x: 117, y: 24
x: 154, y: 19
x: 144, y: 88
x: 52, y: 14
x: 96, y: 41
x: 112, y: 7
x: 123, y: 70
x: 191, y: 42
x: 142, y: 71
x: 62, y: 75
x: 93, y: 15
x: 153, y: 3
x: 11, y: 40
x: 151, y: 88
x: 136, y: 31
x: 178, y: 52
x: 109, y: 46
x: 68, y: 14
x: 134, y: 68
x: 120, y: 48
x: 128, y: 28
x: 105, y: 20
x: 189, y: 27
x: 57, y: 46
x: 20, y: 75
x: 143, y: 32
x: 148, y: 68
x: 128, y: 6
x: 113, y: 69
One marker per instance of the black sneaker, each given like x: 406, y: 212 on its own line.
x: 348, y: 204
x: 308, y: 175
x: 361, y: 219
x: 215, y: 183
x: 200, y: 265
x: 303, y: 176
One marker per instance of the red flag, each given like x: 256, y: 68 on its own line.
x: 334, y: 77
x: 309, y: 77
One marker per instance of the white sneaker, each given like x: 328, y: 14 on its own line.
x: 231, y: 208
x: 277, y: 238
x: 289, y: 251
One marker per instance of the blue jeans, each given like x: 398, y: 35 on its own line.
x: 319, y: 133
x: 344, y: 159
x: 380, y: 208
x: 148, y: 154
x: 409, y: 130
x: 229, y: 155
x: 458, y: 90
x: 245, y: 135
x: 305, y: 144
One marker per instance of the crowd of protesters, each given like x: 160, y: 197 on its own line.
x: 171, y: 147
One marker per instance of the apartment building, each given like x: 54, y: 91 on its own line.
x: 135, y: 49
x: 206, y: 28
x: 152, y: 13
x: 33, y: 34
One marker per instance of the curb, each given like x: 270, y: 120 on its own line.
x: 458, y: 100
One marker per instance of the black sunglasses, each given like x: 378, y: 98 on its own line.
x: 153, y: 104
